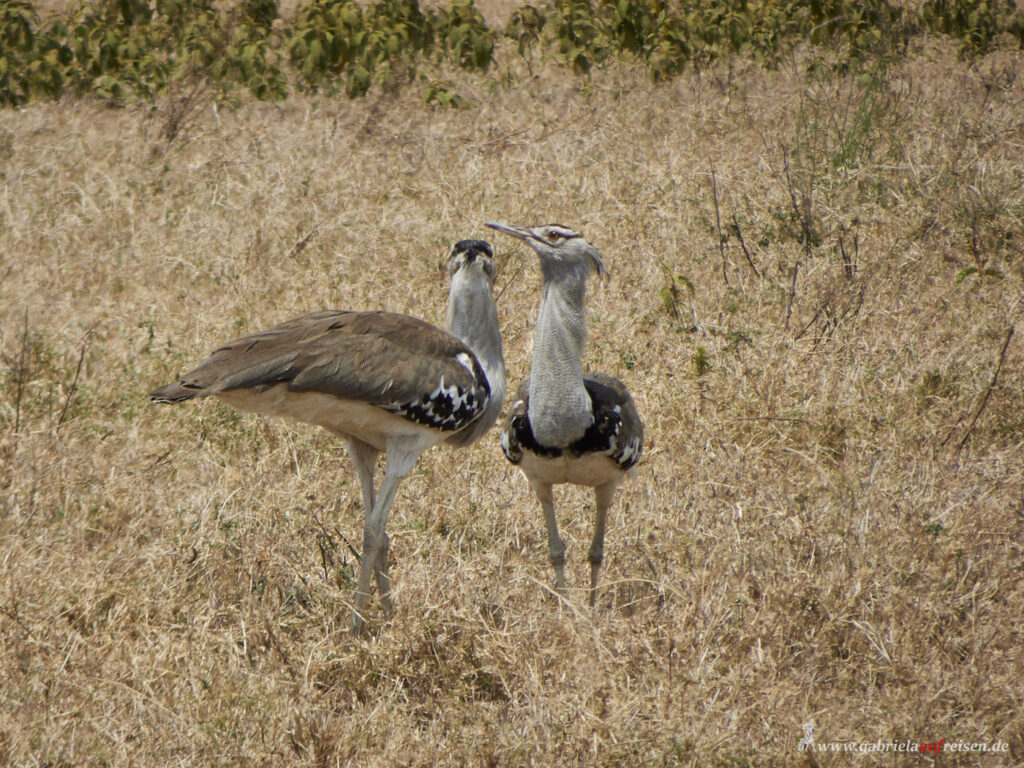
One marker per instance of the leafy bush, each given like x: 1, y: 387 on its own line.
x: 525, y: 27
x: 123, y: 49
x: 976, y: 23
x: 579, y: 34
x: 465, y: 36
x: 338, y: 40
x: 33, y: 59
x: 135, y: 49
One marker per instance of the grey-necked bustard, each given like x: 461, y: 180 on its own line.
x: 567, y: 426
x: 383, y: 382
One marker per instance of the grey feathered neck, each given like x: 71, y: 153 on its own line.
x: 559, y: 407
x: 473, y: 319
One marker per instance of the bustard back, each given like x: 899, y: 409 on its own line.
x: 567, y: 426
x: 385, y: 383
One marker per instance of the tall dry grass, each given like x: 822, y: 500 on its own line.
x: 827, y: 526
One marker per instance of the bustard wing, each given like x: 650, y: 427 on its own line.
x: 516, y: 430
x: 395, y: 362
x: 617, y: 423
x: 617, y: 429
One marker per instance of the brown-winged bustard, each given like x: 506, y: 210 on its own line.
x: 383, y: 382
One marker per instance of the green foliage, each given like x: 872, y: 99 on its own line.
x: 441, y: 94
x: 33, y: 58
x: 133, y: 49
x: 671, y: 295
x: 123, y: 49
x: 466, y: 39
x: 647, y: 29
x: 664, y: 36
x: 525, y: 27
x: 325, y: 39
x: 579, y: 34
x: 667, y: 36
x: 338, y: 39
x: 632, y: 24
x: 975, y: 23
x: 840, y: 128
x: 702, y: 364
x: 259, y: 13
x: 396, y: 32
x: 866, y: 27
x: 966, y: 272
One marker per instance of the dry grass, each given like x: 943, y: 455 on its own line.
x: 819, y: 531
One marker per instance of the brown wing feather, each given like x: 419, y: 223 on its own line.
x: 375, y: 357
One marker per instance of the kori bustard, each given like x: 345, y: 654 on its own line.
x: 383, y: 382
x: 567, y: 426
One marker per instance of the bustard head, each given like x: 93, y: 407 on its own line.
x: 471, y: 277
x: 560, y: 249
x: 470, y: 252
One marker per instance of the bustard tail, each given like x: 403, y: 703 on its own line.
x: 175, y: 393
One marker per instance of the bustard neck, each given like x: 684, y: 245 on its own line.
x: 473, y: 319
x: 559, y: 407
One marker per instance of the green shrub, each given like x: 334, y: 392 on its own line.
x: 525, y: 27
x: 139, y: 49
x: 33, y: 60
x: 976, y: 23
x: 461, y: 29
x: 337, y: 39
x: 579, y: 34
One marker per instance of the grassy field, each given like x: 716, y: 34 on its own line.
x: 814, y: 281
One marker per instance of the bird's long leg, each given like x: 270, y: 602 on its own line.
x: 364, y: 456
x: 603, y: 496
x: 556, y: 551
x: 375, y: 537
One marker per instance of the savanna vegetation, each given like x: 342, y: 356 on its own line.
x: 134, y: 49
x: 813, y: 218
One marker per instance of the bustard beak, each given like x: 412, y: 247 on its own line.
x: 522, y: 233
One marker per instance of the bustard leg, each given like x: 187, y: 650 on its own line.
x: 603, y: 497
x: 375, y: 537
x: 556, y: 551
x: 364, y: 456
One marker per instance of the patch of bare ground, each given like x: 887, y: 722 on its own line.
x: 813, y: 283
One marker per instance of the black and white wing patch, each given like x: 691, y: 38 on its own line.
x: 450, y: 405
x: 616, y: 432
x: 517, y: 427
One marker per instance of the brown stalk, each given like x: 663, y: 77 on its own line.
x: 988, y: 392
x: 74, y: 382
x: 718, y: 222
